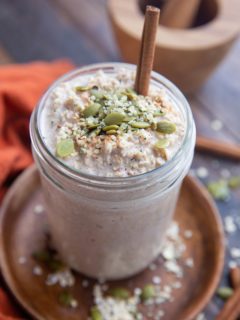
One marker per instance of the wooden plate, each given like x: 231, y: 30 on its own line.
x: 22, y: 232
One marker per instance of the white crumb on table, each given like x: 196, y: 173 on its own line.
x: 216, y: 125
x: 38, y: 209
x: 189, y: 262
x: 37, y: 271
x: 201, y: 316
x: 74, y: 303
x: 188, y: 234
x: 202, y: 172
x: 156, y: 280
x: 64, y: 278
x: 229, y: 224
x: 235, y: 253
x: 232, y: 264
x: 22, y: 260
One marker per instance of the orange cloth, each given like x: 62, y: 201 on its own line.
x: 20, y: 88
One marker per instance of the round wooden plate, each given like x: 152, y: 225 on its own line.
x: 22, y: 232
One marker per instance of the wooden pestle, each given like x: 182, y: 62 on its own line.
x: 179, y: 13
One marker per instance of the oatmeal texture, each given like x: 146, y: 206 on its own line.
x: 97, y: 124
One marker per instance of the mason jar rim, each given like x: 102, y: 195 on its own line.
x: 72, y: 173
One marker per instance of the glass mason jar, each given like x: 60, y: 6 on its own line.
x: 111, y: 227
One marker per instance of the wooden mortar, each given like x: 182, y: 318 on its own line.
x: 185, y: 56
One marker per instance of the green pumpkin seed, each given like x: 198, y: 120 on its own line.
x: 166, y: 127
x: 225, y: 292
x: 92, y: 110
x: 65, y: 298
x: 130, y: 93
x: 219, y: 190
x: 120, y: 293
x: 159, y: 113
x: 114, y: 118
x: 111, y: 132
x: 140, y: 124
x: 112, y: 127
x: 96, y: 314
x: 65, y: 148
x: 162, y: 144
x: 234, y: 182
x: 93, y: 126
x: 82, y: 88
x: 97, y: 94
x: 148, y: 292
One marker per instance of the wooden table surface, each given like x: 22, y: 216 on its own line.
x: 81, y: 31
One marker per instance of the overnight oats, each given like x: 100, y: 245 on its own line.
x: 111, y: 164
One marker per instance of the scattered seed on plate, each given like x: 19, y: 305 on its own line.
x: 189, y: 262
x: 38, y: 209
x: 216, y: 125
x: 188, y: 234
x: 225, y: 292
x: 37, y: 271
x: 22, y: 260
x: 235, y: 253
x: 202, y: 172
x: 156, y: 280
x: 229, y: 224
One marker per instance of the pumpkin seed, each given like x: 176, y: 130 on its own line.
x: 234, y: 182
x: 130, y: 93
x: 111, y: 132
x: 225, y: 292
x: 159, y: 113
x: 120, y: 293
x: 219, y: 189
x: 162, y: 144
x: 97, y: 94
x: 166, y: 127
x: 114, y: 118
x: 65, y: 148
x: 148, y: 292
x: 93, y: 126
x: 96, y: 314
x: 82, y: 88
x: 112, y: 127
x: 92, y: 110
x: 140, y: 124
x: 65, y: 298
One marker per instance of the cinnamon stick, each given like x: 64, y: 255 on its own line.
x: 146, y: 56
x: 220, y: 148
x: 235, y: 277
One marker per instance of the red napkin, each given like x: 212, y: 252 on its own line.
x: 21, y: 86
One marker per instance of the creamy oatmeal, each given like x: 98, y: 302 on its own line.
x: 98, y: 124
